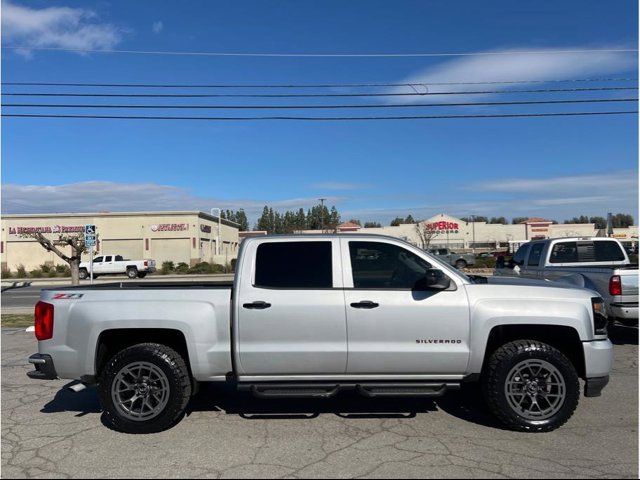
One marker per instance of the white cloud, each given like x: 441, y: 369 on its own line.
x: 607, y: 182
x: 518, y: 66
x: 157, y: 27
x: 111, y: 196
x: 56, y: 27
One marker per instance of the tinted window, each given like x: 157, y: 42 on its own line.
x: 521, y: 254
x: 107, y: 259
x: 536, y: 253
x: 607, y: 251
x: 564, y: 252
x: 119, y: 258
x: 97, y: 260
x: 382, y: 265
x: 294, y: 265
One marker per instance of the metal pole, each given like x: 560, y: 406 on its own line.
x: 91, y: 265
x: 473, y: 236
x: 218, y: 231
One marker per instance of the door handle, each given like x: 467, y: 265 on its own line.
x: 368, y: 304
x: 258, y: 305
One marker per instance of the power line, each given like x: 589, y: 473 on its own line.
x: 328, y: 55
x: 415, y: 117
x: 309, y: 95
x: 307, y: 85
x: 279, y: 107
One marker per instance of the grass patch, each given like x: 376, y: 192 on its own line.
x: 13, y: 320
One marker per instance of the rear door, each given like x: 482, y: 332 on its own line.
x: 291, y: 319
x: 393, y: 327
x: 532, y: 267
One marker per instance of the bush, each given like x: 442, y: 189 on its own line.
x: 45, y: 268
x: 21, y: 272
x: 6, y: 273
x: 63, y: 269
x: 167, y: 268
x: 182, y: 268
x: 36, y: 273
x: 484, y: 262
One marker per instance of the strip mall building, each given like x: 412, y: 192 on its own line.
x: 456, y: 234
x: 188, y: 237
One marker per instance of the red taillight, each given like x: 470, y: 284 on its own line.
x: 44, y: 321
x: 615, y: 285
x: 146, y: 264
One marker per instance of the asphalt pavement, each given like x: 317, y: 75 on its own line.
x: 49, y: 431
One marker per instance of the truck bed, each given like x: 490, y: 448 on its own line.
x: 149, y: 286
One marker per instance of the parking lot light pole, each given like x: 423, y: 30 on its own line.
x: 218, y: 232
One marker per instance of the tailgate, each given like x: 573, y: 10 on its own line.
x: 629, y: 280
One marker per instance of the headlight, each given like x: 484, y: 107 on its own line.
x: 600, y: 319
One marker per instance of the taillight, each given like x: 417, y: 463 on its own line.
x: 44, y: 321
x: 146, y: 263
x: 615, y: 285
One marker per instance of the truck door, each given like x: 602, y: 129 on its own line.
x: 98, y: 265
x: 394, y: 328
x: 532, y: 268
x: 290, y: 310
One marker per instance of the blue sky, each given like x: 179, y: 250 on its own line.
x: 551, y: 167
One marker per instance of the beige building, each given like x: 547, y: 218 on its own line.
x: 188, y: 236
x: 456, y: 234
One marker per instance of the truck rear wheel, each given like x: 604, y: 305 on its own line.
x: 132, y: 272
x: 530, y: 386
x: 460, y: 264
x: 144, y: 389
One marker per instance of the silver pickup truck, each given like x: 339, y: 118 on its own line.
x: 598, y: 263
x: 458, y: 260
x: 310, y: 316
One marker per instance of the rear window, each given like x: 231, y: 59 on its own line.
x: 564, y: 252
x: 607, y: 251
x: 520, y: 255
x: 294, y: 265
x: 536, y: 253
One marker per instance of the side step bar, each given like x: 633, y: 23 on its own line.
x: 328, y: 390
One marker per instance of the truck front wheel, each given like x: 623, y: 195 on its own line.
x: 531, y: 386
x: 144, y: 389
x: 460, y: 264
x: 83, y: 274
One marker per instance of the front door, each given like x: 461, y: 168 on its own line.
x: 290, y: 310
x: 393, y: 327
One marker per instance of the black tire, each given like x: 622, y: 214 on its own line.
x: 171, y: 364
x: 460, y: 264
x: 132, y: 272
x: 142, y: 274
x: 83, y: 274
x: 506, y: 359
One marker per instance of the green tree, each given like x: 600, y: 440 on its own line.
x: 622, y: 220
x: 498, y: 220
x: 372, y: 225
x: 600, y: 222
x: 517, y: 220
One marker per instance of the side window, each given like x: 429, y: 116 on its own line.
x: 97, y: 260
x: 383, y: 265
x: 294, y: 265
x: 521, y: 254
x: 119, y: 258
x: 608, y: 251
x: 535, y: 255
x: 107, y: 258
x: 564, y: 252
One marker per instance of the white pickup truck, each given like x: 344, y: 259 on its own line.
x: 117, y: 265
x: 312, y: 315
x: 598, y: 263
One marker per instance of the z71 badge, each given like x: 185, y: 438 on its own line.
x: 67, y: 296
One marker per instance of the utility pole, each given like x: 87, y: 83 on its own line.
x: 218, y: 233
x: 322, y: 214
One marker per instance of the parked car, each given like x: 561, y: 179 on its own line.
x: 458, y: 260
x: 598, y: 263
x: 117, y: 265
x: 310, y: 316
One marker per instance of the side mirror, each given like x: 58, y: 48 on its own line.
x: 433, y: 280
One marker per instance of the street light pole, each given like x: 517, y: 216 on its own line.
x: 322, y: 214
x: 218, y: 233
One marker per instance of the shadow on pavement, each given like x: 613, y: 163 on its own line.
x: 621, y: 335
x: 83, y: 402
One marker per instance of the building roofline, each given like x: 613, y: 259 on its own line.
x: 121, y: 214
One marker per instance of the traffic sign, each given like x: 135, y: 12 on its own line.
x: 90, y: 240
x: 89, y: 230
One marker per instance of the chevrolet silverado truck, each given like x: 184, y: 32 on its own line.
x: 117, y: 265
x: 311, y: 316
x: 599, y: 263
x: 458, y: 260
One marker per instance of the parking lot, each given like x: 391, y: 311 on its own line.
x: 47, y: 430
